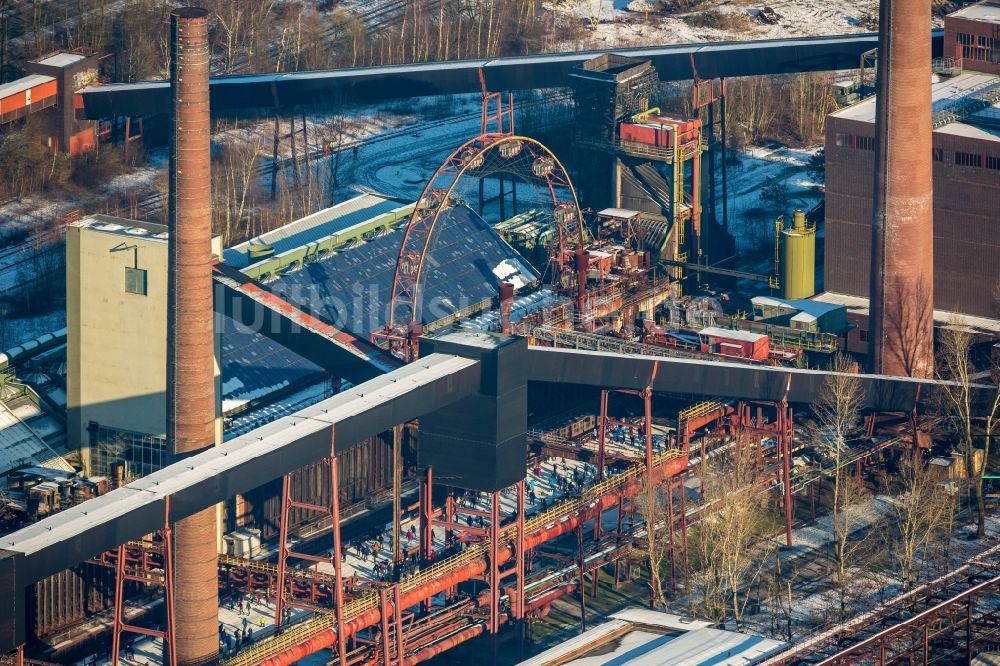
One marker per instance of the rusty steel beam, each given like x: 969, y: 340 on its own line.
x: 190, y: 328
x: 902, y: 276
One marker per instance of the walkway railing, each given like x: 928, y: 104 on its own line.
x: 326, y: 620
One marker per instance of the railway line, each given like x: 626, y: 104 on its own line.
x: 151, y: 207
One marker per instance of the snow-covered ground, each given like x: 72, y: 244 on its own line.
x: 610, y: 24
x: 750, y: 220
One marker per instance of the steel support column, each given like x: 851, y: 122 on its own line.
x: 383, y: 599
x: 427, y: 516
x: 580, y: 584
x: 519, y: 550
x: 397, y: 491
x: 494, y: 575
x: 338, y: 591
x: 647, y: 426
x: 785, y: 445
x: 397, y: 616
x: 168, y: 634
x: 285, y: 552
x: 602, y: 433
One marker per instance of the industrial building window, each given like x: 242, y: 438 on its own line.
x: 964, y: 38
x: 863, y: 335
x: 938, y: 155
x: 866, y: 143
x: 967, y: 159
x: 843, y: 139
x: 135, y: 280
x: 993, y: 163
x: 132, y: 454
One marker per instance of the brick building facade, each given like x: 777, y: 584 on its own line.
x: 966, y: 157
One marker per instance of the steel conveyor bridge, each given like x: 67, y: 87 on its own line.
x: 235, y: 94
x: 410, y: 392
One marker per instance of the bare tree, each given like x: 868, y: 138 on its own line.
x: 729, y: 548
x: 235, y: 184
x: 954, y: 363
x: 922, y: 511
x: 780, y: 597
x: 838, y: 412
x: 651, y: 505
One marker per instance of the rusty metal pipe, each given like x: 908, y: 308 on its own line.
x: 190, y: 328
x: 470, y: 570
x: 444, y: 644
x: 901, y: 340
x: 545, y: 599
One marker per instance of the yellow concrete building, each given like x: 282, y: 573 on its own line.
x: 116, y: 325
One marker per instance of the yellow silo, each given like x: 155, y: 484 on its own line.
x: 798, y: 276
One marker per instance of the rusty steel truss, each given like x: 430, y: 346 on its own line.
x: 946, y: 620
x: 497, y: 143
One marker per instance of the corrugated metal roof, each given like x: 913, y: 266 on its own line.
x: 61, y: 59
x: 22, y: 84
x: 814, y: 308
x: 590, y: 638
x: 351, y: 289
x: 716, y: 647
x: 20, y: 445
x: 731, y: 334
x: 313, y: 227
x: 654, y: 618
x: 254, y: 366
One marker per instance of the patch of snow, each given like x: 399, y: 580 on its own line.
x: 621, y: 23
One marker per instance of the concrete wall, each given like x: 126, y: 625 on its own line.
x: 966, y: 224
x: 116, y: 341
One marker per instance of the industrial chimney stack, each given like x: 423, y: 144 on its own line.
x: 190, y: 329
x: 902, y: 288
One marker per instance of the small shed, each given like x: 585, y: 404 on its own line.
x: 801, y: 314
x: 729, y: 342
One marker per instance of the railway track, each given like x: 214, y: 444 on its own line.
x: 152, y: 205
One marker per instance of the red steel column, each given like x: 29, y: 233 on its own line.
x: 279, y: 596
x: 647, y: 428
x: 520, y: 561
x: 494, y: 576
x: 338, y: 571
x: 785, y: 451
x: 602, y: 426
x: 426, y: 541
x: 902, y: 276
x: 190, y: 328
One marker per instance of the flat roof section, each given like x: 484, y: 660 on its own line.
x: 859, y: 305
x: 946, y: 93
x: 61, y: 59
x: 987, y: 11
x: 731, y: 334
x: 120, y: 226
x: 649, y: 638
x: 313, y: 227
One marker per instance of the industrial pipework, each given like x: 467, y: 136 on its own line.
x: 190, y: 329
x: 901, y: 338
